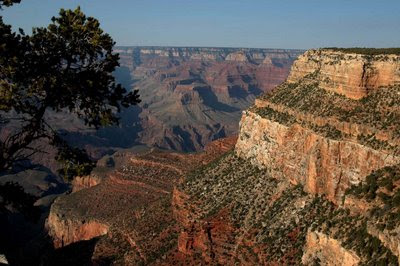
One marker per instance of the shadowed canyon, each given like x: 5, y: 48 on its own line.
x: 190, y: 96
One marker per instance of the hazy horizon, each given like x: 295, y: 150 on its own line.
x: 275, y: 24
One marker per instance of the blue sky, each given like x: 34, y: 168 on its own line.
x: 230, y: 23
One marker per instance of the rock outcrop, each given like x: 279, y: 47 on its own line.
x: 237, y: 56
x: 67, y: 231
x: 324, y: 250
x: 353, y: 75
x: 315, y: 137
x: 129, y: 211
x: 82, y: 182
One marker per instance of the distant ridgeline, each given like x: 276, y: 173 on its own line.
x: 190, y: 96
x: 256, y: 55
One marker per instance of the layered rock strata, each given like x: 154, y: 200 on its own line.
x: 192, y: 96
x: 315, y: 137
x: 323, y: 165
x: 314, y: 178
x: 353, y: 75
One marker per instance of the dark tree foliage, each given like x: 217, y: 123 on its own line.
x: 8, y: 2
x: 66, y: 67
x: 366, y: 51
x: 74, y: 161
x: 14, y: 196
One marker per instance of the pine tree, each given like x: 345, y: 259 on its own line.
x: 66, y: 66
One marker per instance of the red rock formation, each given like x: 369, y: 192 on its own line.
x: 322, y: 165
x: 82, y: 182
x: 67, y: 231
x: 250, y: 207
x: 322, y: 148
x: 350, y: 74
x: 131, y: 206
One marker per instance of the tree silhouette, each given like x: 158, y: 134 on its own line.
x: 65, y: 67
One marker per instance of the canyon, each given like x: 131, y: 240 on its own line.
x: 189, y: 96
x: 128, y: 204
x: 313, y: 178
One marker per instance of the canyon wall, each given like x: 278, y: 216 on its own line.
x: 322, y: 165
x: 306, y: 132
x: 353, y: 75
x: 190, y: 97
x: 314, y: 177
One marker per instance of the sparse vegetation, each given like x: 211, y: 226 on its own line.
x: 294, y: 102
x: 366, y: 51
x: 381, y: 190
x: 277, y: 215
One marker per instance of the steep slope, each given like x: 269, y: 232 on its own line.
x: 314, y: 175
x: 319, y: 138
x: 233, y: 212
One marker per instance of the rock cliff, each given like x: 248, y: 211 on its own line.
x: 320, y: 247
x: 322, y: 165
x: 315, y: 137
x: 314, y: 176
x: 127, y: 207
x: 351, y: 74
